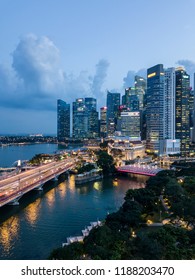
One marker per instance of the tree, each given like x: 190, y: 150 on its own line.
x: 105, y: 162
x: 73, y: 251
x: 146, y: 197
x: 189, y: 185
x: 157, y: 183
x: 98, y: 242
x: 131, y: 213
x: 174, y: 242
x: 85, y: 168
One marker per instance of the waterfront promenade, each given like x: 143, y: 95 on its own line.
x: 14, y: 187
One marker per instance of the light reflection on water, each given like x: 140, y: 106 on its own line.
x: 61, y: 210
x: 9, y: 232
x: 32, y: 212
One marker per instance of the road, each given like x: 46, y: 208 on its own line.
x: 12, y: 188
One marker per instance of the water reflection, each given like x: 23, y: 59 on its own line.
x: 83, y: 189
x: 70, y: 208
x: 62, y: 188
x: 71, y: 183
x: 50, y: 198
x: 9, y: 232
x: 32, y: 211
x: 97, y: 186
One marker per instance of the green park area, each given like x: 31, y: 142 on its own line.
x: 155, y: 222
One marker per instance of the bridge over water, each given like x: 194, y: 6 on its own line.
x: 14, y: 187
x: 139, y: 169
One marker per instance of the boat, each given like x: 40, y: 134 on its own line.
x: 90, y: 176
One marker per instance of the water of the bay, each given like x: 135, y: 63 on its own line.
x: 10, y: 154
x: 44, y: 219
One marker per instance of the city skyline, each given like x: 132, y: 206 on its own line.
x: 55, y: 51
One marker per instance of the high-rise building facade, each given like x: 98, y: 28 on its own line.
x: 113, y: 103
x: 80, y: 119
x: 193, y: 136
x: 140, y: 90
x: 91, y: 105
x: 169, y: 104
x: 161, y: 112
x: 171, y: 144
x: 63, y: 120
x: 191, y: 107
x: 155, y: 110
x: 103, y: 123
x: 85, y: 118
x: 130, y: 99
x: 182, y: 117
x: 128, y: 124
x: 93, y: 125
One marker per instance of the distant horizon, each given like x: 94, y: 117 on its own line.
x: 27, y: 134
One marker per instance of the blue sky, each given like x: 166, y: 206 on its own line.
x: 72, y: 48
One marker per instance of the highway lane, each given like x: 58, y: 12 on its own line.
x: 17, y: 185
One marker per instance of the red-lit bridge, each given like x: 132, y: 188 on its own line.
x: 13, y: 188
x: 139, y: 169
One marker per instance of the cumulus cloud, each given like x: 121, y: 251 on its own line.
x: 36, y: 61
x: 99, y: 79
x: 36, y: 79
x: 130, y: 77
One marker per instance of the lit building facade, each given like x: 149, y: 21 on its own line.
x: 182, y: 116
x: 79, y: 119
x: 140, y: 90
x: 155, y: 110
x: 63, y: 120
x: 124, y: 149
x: 103, y: 124
x: 91, y: 106
x: 113, y: 103
x: 193, y: 136
x: 169, y: 104
x: 128, y: 124
x: 85, y: 118
x: 171, y: 144
x: 93, y: 125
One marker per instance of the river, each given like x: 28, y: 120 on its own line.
x: 44, y: 219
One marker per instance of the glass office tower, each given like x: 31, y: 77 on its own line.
x: 63, y: 120
x: 155, y: 110
x: 113, y: 103
x: 182, y: 115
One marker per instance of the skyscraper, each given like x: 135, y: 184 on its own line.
x: 130, y: 99
x: 155, y: 110
x: 182, y: 123
x: 171, y: 144
x: 113, y: 103
x: 193, y: 136
x: 103, y: 124
x: 80, y: 119
x: 128, y: 124
x: 140, y: 90
x: 85, y: 118
x: 63, y: 120
x: 169, y: 104
x: 91, y: 105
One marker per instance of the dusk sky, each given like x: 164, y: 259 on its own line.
x: 76, y: 48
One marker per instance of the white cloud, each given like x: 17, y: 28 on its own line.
x: 36, y: 78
